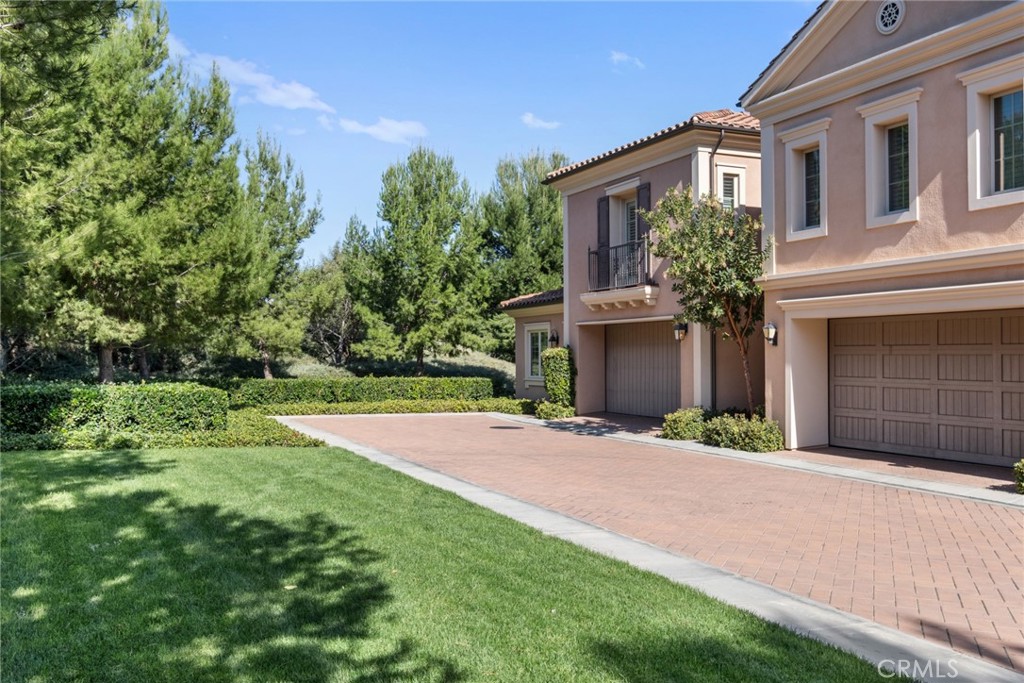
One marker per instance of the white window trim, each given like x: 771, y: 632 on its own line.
x: 879, y: 116
x: 722, y: 170
x: 533, y: 380
x: 623, y: 187
x: 797, y: 141
x: 982, y: 83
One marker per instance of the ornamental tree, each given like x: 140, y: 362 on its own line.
x: 716, y: 257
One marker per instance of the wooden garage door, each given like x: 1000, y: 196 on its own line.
x: 946, y: 386
x: 641, y: 369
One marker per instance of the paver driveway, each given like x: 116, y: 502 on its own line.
x: 947, y: 569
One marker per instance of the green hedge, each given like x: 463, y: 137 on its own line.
x: 754, y: 435
x: 547, y: 410
x: 685, y: 425
x: 559, y: 376
x: 37, y: 408
x: 244, y: 428
x: 1018, y: 476
x: 258, y: 392
x: 509, y: 406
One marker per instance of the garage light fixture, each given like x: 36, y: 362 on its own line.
x: 680, y: 330
x: 553, y: 339
x: 771, y: 334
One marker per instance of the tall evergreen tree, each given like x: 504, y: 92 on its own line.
x: 428, y: 257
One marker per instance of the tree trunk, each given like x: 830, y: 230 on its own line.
x: 419, y: 362
x: 106, y: 356
x: 267, y: 373
x: 142, y: 363
x: 744, y: 353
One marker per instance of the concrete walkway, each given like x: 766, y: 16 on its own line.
x: 905, y: 573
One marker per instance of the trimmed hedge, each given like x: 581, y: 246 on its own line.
x: 1018, y: 476
x: 259, y: 392
x: 244, y: 428
x: 685, y: 425
x: 754, y: 435
x: 559, y: 376
x: 547, y: 410
x: 37, y: 408
x: 510, y: 406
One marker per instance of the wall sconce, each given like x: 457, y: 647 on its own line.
x: 553, y: 339
x: 680, y: 331
x: 771, y: 334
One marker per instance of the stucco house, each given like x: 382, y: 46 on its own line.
x: 617, y: 310
x: 892, y: 150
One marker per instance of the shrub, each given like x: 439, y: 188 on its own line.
x: 559, y: 375
x: 37, y: 408
x: 244, y: 428
x: 685, y: 425
x: 1018, y: 476
x: 364, y: 389
x: 547, y: 410
x: 510, y: 406
x: 755, y: 435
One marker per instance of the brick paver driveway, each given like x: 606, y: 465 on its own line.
x: 943, y: 568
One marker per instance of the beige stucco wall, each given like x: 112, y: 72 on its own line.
x: 732, y: 389
x: 859, y: 39
x: 945, y: 225
x: 526, y: 388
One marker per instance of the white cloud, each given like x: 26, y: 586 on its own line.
x: 623, y: 58
x: 249, y: 82
x: 296, y: 131
x: 387, y: 130
x: 532, y: 121
x: 325, y: 121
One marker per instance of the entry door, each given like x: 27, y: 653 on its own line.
x: 641, y: 369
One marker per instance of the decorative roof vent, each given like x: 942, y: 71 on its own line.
x: 890, y: 16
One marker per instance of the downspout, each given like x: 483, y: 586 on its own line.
x: 714, y: 336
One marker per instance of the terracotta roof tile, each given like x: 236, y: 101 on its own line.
x: 726, y: 119
x: 552, y: 296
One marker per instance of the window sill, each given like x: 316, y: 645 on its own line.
x: 992, y: 201
x: 795, y: 235
x: 892, y: 219
x: 534, y: 382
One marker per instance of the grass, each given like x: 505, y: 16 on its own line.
x: 316, y: 565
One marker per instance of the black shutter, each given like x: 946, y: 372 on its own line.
x: 643, y: 201
x: 603, y: 229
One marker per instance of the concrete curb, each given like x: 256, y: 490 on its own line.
x: 1014, y: 500
x: 873, y: 642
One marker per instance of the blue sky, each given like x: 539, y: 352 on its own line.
x: 348, y: 88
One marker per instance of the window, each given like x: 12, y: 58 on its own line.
x: 806, y: 154
x: 812, y: 188
x: 890, y: 159
x: 1008, y: 139
x: 730, y: 184
x: 536, y: 342
x: 995, y: 134
x: 629, y: 222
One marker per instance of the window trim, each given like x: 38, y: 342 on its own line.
x: 796, y: 142
x: 982, y: 84
x: 529, y: 329
x: 879, y: 116
x: 722, y: 170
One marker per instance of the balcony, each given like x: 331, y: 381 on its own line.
x: 620, y: 277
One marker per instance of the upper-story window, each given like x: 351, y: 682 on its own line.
x: 629, y: 221
x: 890, y: 159
x: 995, y: 134
x: 730, y: 184
x: 806, y: 155
x: 1008, y: 139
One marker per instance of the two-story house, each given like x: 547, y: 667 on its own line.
x: 617, y: 309
x: 892, y: 150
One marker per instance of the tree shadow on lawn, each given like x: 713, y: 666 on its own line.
x: 107, y: 584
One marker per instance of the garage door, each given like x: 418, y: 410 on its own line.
x: 641, y: 369
x: 946, y: 386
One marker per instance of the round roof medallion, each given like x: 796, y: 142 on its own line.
x: 890, y: 16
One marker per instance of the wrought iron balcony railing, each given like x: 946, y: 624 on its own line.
x: 624, y: 265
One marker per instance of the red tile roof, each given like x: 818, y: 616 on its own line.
x: 723, y: 119
x: 552, y: 296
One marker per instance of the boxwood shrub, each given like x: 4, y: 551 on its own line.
x: 1018, y: 476
x: 549, y: 410
x: 755, y: 434
x: 686, y: 424
x: 257, y: 392
x: 559, y: 375
x: 509, y: 406
x: 36, y: 408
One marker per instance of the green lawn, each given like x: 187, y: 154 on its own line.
x: 315, y: 565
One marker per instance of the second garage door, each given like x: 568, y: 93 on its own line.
x: 641, y: 369
x: 946, y: 386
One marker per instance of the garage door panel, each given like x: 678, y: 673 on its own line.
x: 947, y: 386
x: 641, y: 369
